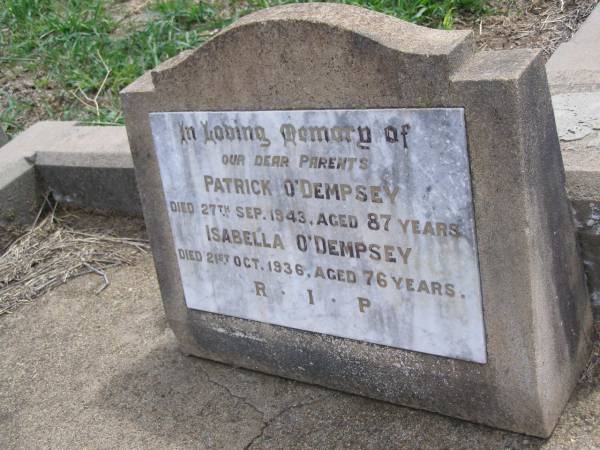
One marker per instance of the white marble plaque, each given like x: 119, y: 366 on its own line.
x: 353, y: 223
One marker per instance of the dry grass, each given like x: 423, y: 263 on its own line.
x: 561, y: 20
x: 541, y: 24
x: 54, y: 251
x: 591, y: 374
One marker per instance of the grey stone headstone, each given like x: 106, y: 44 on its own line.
x: 440, y: 271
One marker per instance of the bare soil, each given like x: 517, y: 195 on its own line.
x: 85, y: 220
x: 67, y: 243
x: 543, y: 24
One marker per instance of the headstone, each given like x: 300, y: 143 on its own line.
x: 346, y: 199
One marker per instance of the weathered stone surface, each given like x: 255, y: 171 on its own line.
x: 84, y: 166
x: 368, y: 253
x: 536, y: 312
x: 578, y: 118
x: 90, y: 167
x: 20, y: 193
x: 578, y: 122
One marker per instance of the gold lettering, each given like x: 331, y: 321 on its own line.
x: 260, y: 289
x: 363, y: 304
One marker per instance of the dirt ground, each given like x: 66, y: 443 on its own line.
x: 543, y: 24
x: 64, y: 243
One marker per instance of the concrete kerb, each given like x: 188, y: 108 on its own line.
x: 19, y: 187
x: 91, y: 167
x: 80, y: 165
x: 575, y: 66
x: 574, y: 77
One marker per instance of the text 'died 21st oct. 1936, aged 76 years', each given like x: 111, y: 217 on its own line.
x: 353, y: 223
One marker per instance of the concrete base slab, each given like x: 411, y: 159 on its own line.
x: 104, y: 371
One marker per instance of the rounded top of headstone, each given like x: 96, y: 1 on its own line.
x: 386, y: 30
x: 312, y: 55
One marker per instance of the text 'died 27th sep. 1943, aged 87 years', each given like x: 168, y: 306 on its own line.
x: 353, y: 223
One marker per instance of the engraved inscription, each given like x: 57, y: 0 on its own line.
x: 352, y: 223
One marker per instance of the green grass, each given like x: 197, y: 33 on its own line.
x: 80, y: 53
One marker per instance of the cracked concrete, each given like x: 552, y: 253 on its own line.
x: 267, y: 417
x: 577, y: 117
x: 267, y: 423
x: 79, y: 370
